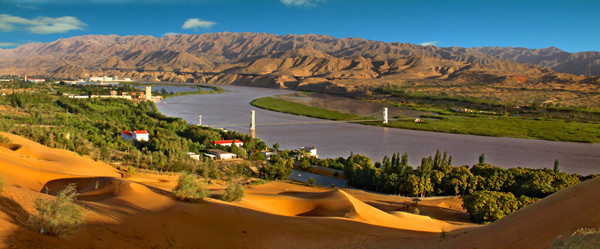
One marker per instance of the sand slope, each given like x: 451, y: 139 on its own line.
x: 138, y: 212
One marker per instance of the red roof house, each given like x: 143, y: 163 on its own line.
x: 238, y: 143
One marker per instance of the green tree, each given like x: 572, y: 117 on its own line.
x: 311, y: 181
x: 189, y: 189
x: 482, y: 158
x: 234, y: 192
x: 276, y: 147
x: 278, y: 170
x: 57, y: 216
x: 485, y: 206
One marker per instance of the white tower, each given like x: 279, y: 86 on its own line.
x: 252, y: 121
x: 148, y: 92
x: 385, y: 115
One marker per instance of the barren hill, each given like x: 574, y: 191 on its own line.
x: 296, y: 61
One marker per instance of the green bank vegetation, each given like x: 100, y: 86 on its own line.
x: 451, y: 120
x: 92, y: 127
x: 489, y: 192
x: 280, y: 105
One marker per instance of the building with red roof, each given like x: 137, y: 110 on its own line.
x: 141, y: 135
x: 238, y: 143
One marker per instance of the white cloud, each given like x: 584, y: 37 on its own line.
x: 40, y: 25
x: 171, y: 33
x: 195, y: 23
x: 430, y: 43
x: 7, y: 44
x: 29, y: 7
x: 301, y: 3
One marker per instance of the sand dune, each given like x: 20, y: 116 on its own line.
x: 138, y: 212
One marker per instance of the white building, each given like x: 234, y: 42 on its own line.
x: 311, y: 150
x: 33, y: 80
x: 222, y: 155
x: 193, y: 155
x: 135, y: 135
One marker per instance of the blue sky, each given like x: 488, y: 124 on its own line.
x: 572, y: 26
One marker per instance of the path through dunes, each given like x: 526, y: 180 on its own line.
x: 138, y: 211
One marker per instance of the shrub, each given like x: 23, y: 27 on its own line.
x: 130, y: 170
x: 2, y: 183
x: 57, y: 216
x: 188, y: 188
x: 484, y: 206
x: 416, y: 211
x: 311, y: 181
x: 279, y: 170
x: 582, y: 238
x: 234, y: 192
x: 4, y: 141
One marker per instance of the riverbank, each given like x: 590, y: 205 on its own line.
x: 447, y: 121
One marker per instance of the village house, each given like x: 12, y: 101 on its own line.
x: 310, y: 150
x: 135, y: 135
x: 238, y: 143
x: 222, y: 155
x: 33, y: 80
x: 193, y: 155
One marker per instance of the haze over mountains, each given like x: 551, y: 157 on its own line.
x: 287, y: 60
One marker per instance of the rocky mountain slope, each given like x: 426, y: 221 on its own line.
x: 583, y: 63
x: 295, y: 61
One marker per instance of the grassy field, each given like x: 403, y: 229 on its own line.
x: 279, y: 105
x: 461, y: 123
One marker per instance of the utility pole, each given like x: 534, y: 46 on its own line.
x: 385, y: 115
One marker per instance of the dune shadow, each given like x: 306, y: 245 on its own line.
x: 17, y: 214
x: 14, y: 147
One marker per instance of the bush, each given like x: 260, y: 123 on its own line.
x: 57, y: 216
x: 4, y: 141
x: 279, y: 170
x: 311, y: 181
x: 416, y: 211
x: 234, y: 192
x: 188, y: 188
x: 2, y: 183
x: 485, y: 206
x: 582, y: 238
x: 130, y: 170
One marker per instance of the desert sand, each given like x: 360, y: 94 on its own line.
x: 137, y: 211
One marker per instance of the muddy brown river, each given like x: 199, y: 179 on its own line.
x: 231, y: 110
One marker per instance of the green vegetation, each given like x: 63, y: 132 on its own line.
x: 506, y: 126
x: 487, y: 206
x: 475, y: 123
x: 234, y: 192
x: 92, y: 127
x: 2, y: 183
x: 189, y: 189
x: 4, y: 141
x: 490, y: 192
x: 280, y: 105
x: 57, y: 216
x: 280, y: 169
x: 311, y: 181
x: 416, y: 211
x: 582, y: 238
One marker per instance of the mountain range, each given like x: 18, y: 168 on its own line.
x: 289, y: 60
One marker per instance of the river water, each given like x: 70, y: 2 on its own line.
x: 339, y: 139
